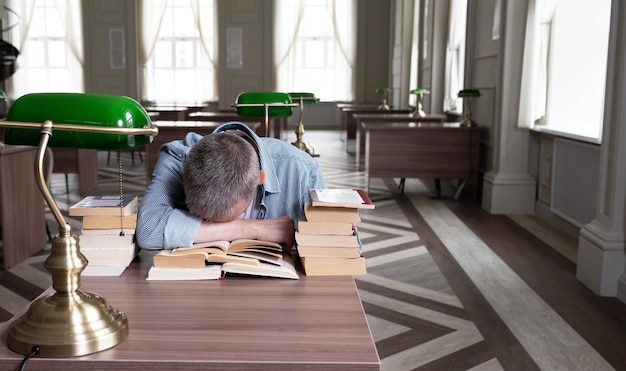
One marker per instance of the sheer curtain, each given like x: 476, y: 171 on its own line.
x: 69, y: 12
x: 455, y: 55
x: 534, y: 88
x: 204, y: 10
x: 151, y: 16
x: 414, y: 68
x: 71, y: 18
x: 289, y: 29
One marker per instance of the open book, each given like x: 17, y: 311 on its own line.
x: 284, y: 269
x: 244, y: 251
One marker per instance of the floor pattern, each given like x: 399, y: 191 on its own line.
x: 417, y: 319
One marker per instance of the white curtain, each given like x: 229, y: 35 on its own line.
x: 534, y: 88
x: 69, y: 12
x: 414, y: 70
x: 25, y: 10
x: 205, y: 17
x: 151, y: 16
x: 288, y: 16
x: 288, y: 21
x: 455, y: 55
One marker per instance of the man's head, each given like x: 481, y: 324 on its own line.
x: 220, y: 176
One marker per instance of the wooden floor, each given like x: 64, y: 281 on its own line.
x: 449, y: 287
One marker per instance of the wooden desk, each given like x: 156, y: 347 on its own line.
x: 171, y: 112
x: 22, y: 205
x: 344, y: 107
x: 315, y: 323
x: 382, y: 118
x: 83, y: 162
x: 422, y: 150
x: 351, y: 125
x: 276, y: 125
x: 175, y: 130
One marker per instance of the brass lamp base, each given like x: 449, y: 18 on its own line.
x: 58, y: 331
x: 69, y: 322
x: 302, y: 145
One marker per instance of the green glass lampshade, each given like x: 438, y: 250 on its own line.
x: 469, y: 93
x: 93, y: 111
x: 420, y: 91
x: 253, y: 104
x: 306, y: 98
x: 382, y: 91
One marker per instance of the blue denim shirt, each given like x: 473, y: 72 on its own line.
x: 164, y: 222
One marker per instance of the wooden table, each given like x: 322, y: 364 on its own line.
x: 22, y: 205
x: 378, y: 117
x: 315, y: 323
x: 175, y: 130
x: 171, y: 112
x: 422, y: 150
x: 276, y: 125
x: 345, y: 107
x: 351, y: 125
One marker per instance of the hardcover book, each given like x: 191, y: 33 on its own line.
x: 326, y: 240
x: 331, y: 266
x: 108, y: 250
x: 105, y: 205
x: 286, y: 269
x: 340, y: 197
x: 331, y: 214
x: 335, y: 228
x: 109, y: 221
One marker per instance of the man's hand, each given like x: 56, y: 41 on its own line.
x: 280, y: 230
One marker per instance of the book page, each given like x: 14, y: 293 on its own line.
x: 339, y: 196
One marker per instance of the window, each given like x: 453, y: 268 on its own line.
x: 179, y: 51
x: 51, y: 57
x: 565, y: 65
x: 455, y: 56
x: 414, y: 69
x: 314, y: 47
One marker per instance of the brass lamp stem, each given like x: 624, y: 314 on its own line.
x: 302, y: 145
x: 68, y: 322
x: 46, y: 131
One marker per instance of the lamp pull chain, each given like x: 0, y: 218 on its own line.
x: 119, y: 166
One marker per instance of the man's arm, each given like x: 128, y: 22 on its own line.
x: 280, y: 230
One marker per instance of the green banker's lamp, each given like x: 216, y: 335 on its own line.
x: 419, y: 109
x: 384, y: 106
x: 70, y: 322
x: 264, y: 104
x: 468, y: 95
x: 302, y: 99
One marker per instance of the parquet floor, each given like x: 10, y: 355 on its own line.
x: 449, y: 287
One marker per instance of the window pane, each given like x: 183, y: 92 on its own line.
x: 162, y: 54
x: 56, y: 54
x: 36, y: 53
x: 184, y: 54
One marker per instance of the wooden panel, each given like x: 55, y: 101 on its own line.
x: 438, y: 151
x: 23, y: 211
x: 314, y: 323
x: 377, y: 117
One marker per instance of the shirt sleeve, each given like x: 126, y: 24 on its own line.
x: 163, y: 221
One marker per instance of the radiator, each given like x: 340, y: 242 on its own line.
x: 575, y: 175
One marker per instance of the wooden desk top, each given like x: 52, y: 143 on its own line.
x: 409, y: 125
x: 315, y: 323
x: 369, y: 116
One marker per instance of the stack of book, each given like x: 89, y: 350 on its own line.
x: 107, y: 234
x: 215, y: 259
x: 327, y: 238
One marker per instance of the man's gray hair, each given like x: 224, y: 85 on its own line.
x: 220, y: 171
